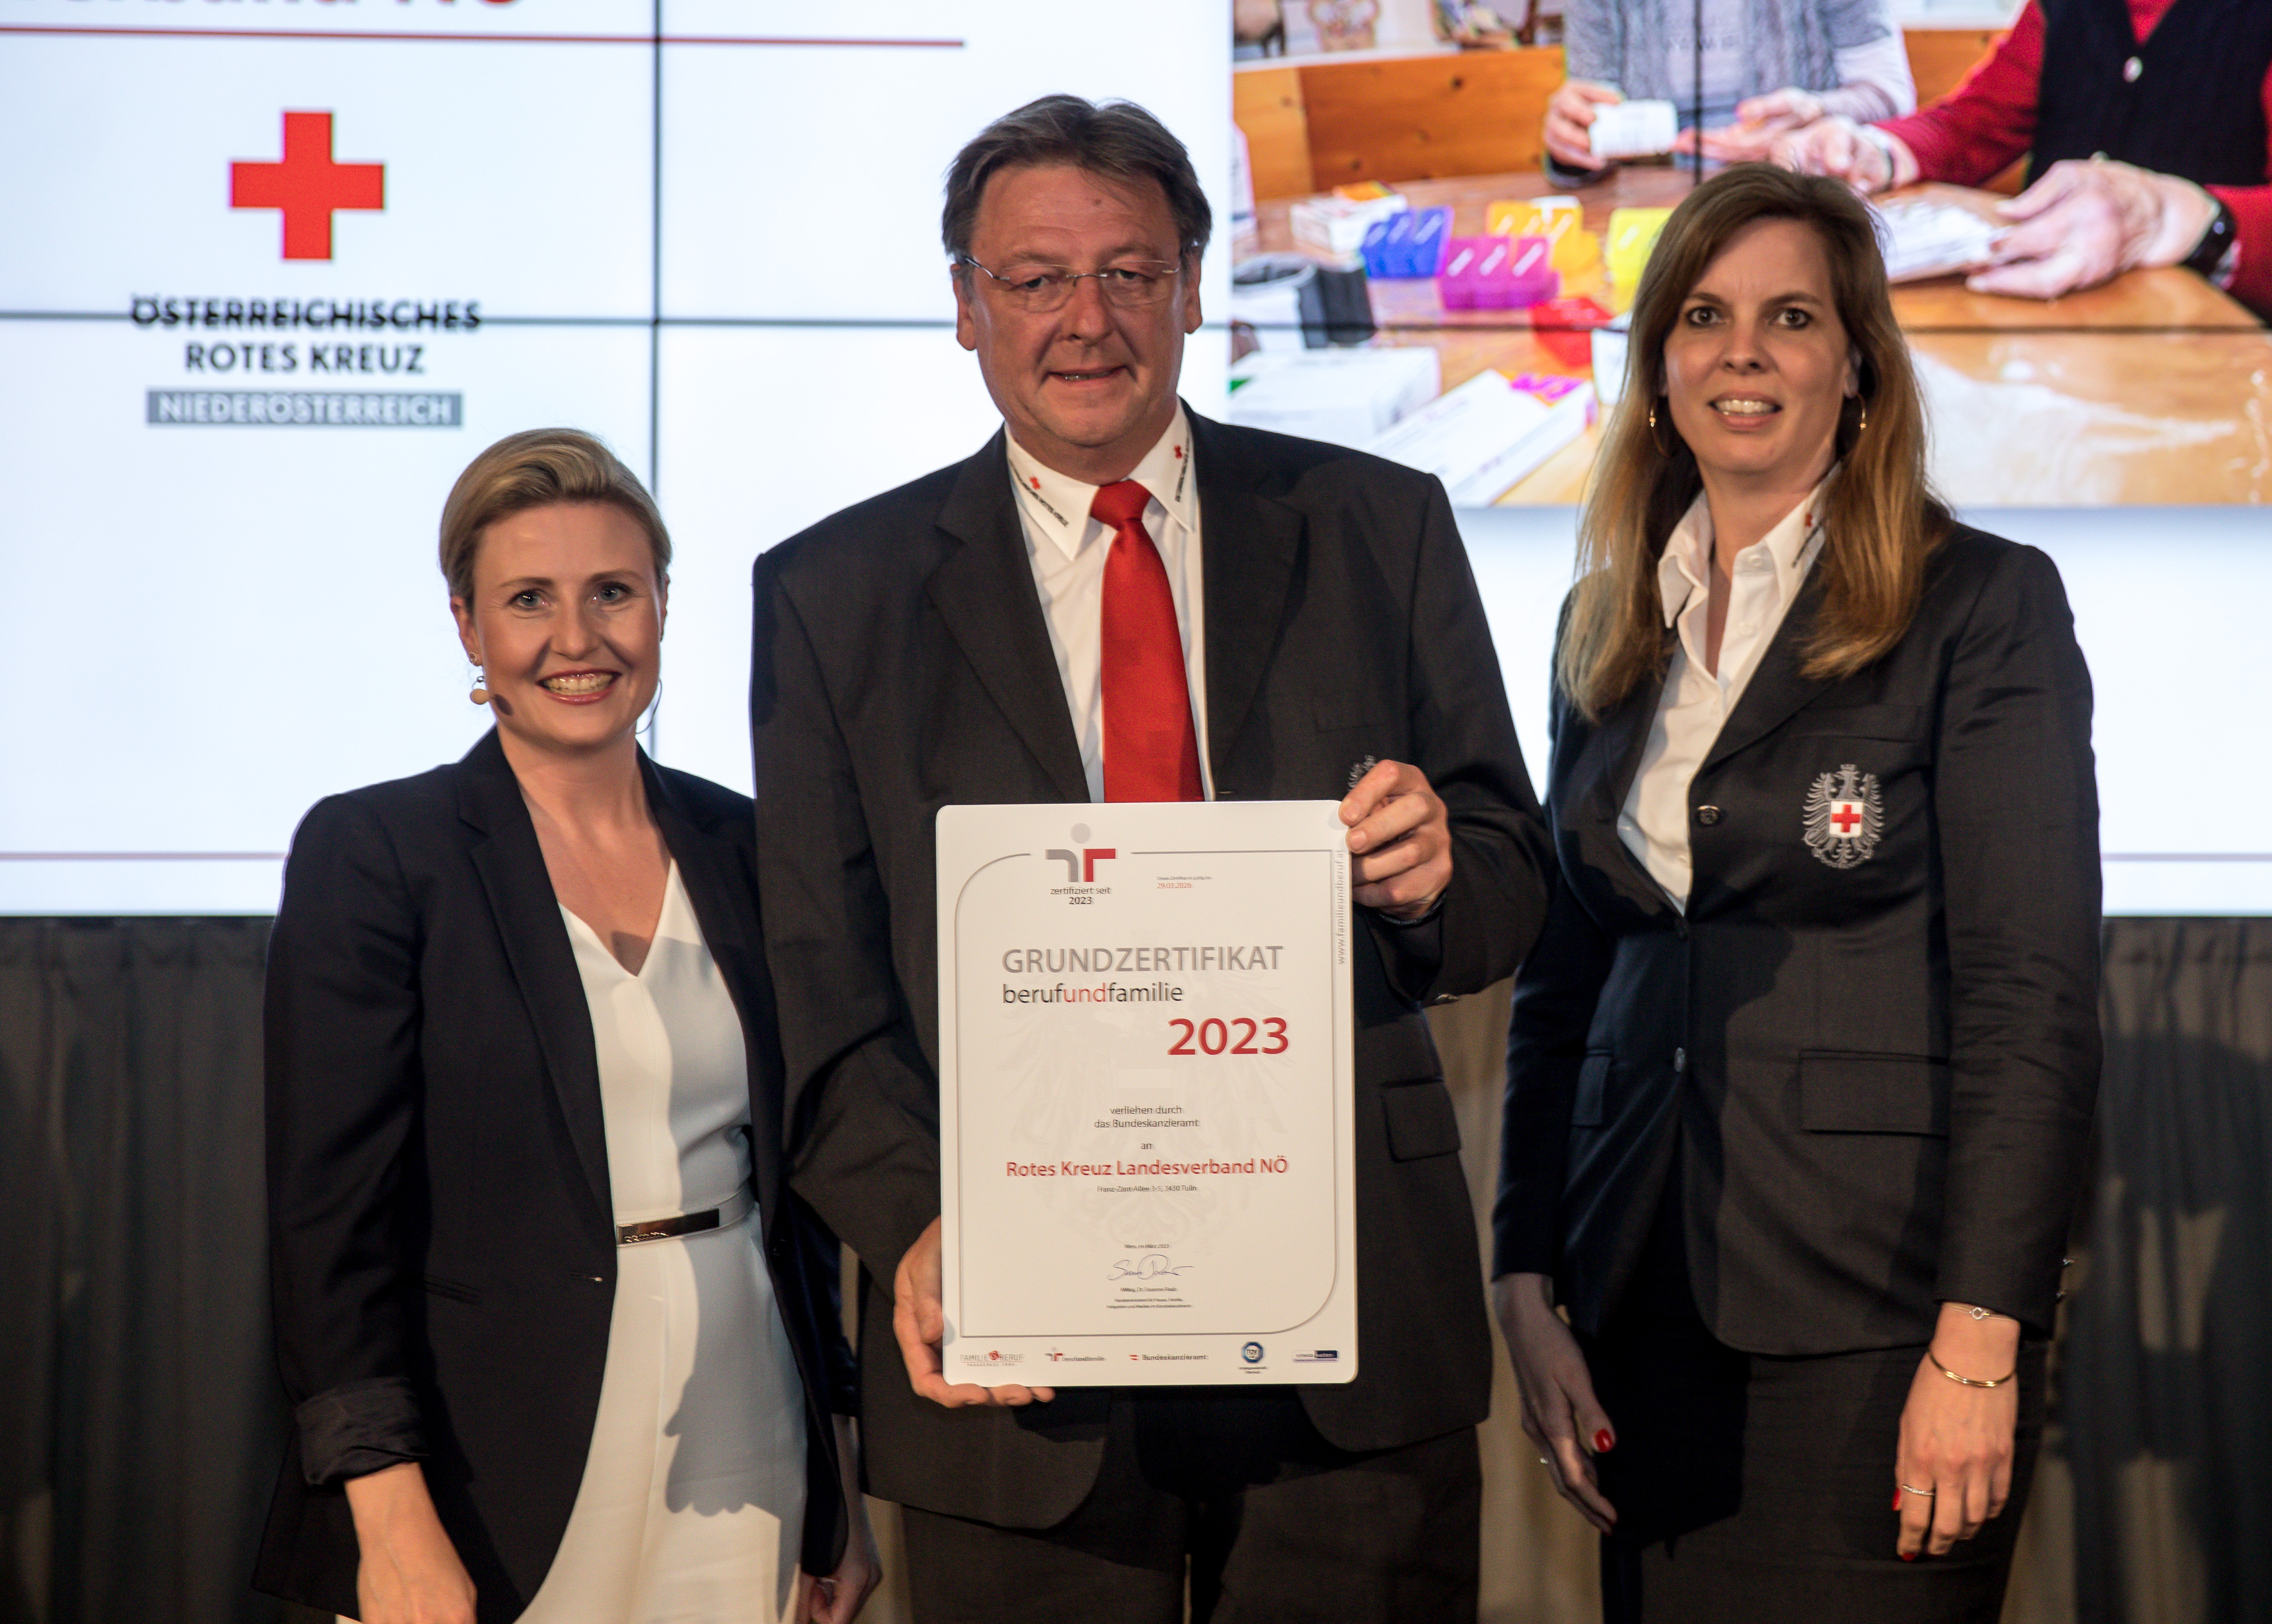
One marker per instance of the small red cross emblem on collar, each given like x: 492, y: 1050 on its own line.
x: 1178, y: 449
x: 307, y: 186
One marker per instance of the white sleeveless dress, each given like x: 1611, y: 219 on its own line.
x: 693, y: 1503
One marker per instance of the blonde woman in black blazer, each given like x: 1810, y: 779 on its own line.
x: 478, y: 977
x: 1802, y: 1069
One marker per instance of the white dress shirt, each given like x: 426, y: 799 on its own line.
x: 1067, y: 548
x: 1766, y: 576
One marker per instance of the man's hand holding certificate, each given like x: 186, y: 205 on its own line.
x: 1145, y: 1095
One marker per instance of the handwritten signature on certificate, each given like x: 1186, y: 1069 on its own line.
x: 1151, y: 1266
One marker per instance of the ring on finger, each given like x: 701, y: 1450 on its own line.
x: 1542, y: 1461
x: 1905, y: 1488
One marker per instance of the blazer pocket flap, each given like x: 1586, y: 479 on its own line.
x: 1349, y: 710
x: 1591, y: 1106
x: 1894, y: 721
x: 1420, y: 1120
x: 1872, y: 1093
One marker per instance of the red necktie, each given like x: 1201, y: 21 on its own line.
x: 1151, y: 750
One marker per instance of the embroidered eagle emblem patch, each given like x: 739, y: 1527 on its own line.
x: 1844, y: 816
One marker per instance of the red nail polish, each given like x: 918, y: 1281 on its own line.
x: 1897, y: 1499
x: 1909, y: 1556
x: 1603, y: 1442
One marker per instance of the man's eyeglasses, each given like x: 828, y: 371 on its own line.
x: 1128, y: 285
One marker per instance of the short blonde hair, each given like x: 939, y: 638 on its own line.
x: 536, y: 468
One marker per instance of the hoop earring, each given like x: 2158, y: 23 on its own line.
x: 480, y: 693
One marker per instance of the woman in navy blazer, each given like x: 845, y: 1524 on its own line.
x: 1801, y: 1071
x: 449, y: 1159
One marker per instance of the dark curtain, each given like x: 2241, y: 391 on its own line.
x: 140, y: 1423
x: 2167, y: 1383
x: 140, y: 1415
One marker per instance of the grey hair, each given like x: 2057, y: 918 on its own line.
x: 1118, y: 140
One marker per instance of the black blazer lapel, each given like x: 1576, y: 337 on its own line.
x: 511, y: 867
x: 1250, y: 545
x: 725, y: 904
x: 1777, y: 687
x: 984, y: 591
x: 1616, y: 746
x: 1604, y: 772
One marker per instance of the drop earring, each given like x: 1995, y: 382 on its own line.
x: 1656, y: 438
x: 1863, y: 422
x: 480, y: 693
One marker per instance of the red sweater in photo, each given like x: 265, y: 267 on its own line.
x: 1972, y: 133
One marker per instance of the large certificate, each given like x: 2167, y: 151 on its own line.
x: 1144, y: 1094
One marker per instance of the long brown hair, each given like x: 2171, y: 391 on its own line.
x: 1883, y: 520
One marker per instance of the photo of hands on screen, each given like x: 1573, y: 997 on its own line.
x: 1452, y: 207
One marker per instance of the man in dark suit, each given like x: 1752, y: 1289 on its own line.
x: 1116, y: 599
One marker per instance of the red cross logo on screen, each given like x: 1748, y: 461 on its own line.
x: 307, y: 186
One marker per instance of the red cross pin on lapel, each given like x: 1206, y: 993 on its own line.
x: 1179, y: 452
x: 1844, y: 816
x: 307, y: 186
x: 1035, y: 482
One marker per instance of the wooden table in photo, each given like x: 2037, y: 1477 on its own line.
x: 2156, y: 388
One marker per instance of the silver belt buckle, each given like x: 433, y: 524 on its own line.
x: 663, y: 1229
x: 687, y: 1222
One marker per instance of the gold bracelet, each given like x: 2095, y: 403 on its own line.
x: 1969, y: 1382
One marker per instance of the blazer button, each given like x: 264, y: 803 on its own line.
x: 1679, y: 1061
x: 1707, y: 815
